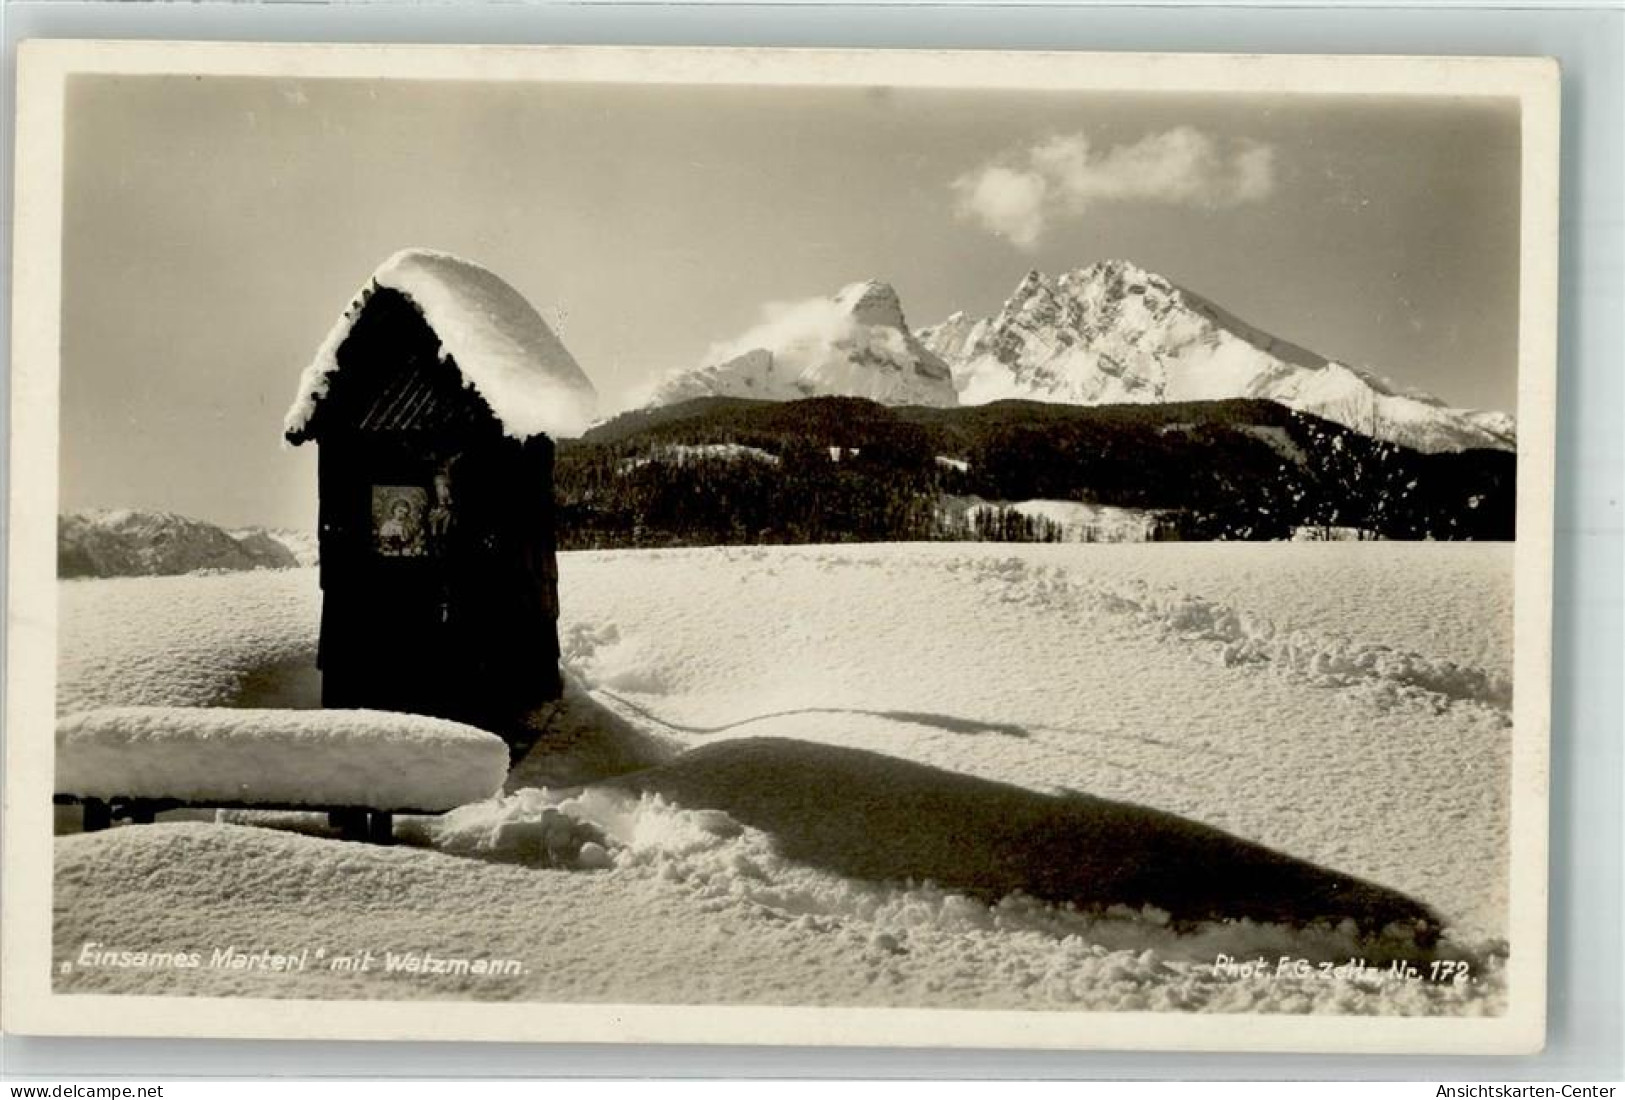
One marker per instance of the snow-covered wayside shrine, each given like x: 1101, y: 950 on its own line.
x: 957, y: 775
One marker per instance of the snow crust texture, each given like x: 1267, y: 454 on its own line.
x: 788, y: 776
x: 188, y: 641
x: 301, y: 757
x: 1254, y: 688
x: 501, y: 345
x: 693, y: 910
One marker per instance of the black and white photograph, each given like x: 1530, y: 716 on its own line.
x: 793, y: 546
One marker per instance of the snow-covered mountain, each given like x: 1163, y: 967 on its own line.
x: 856, y: 344
x: 303, y: 545
x: 127, y: 543
x: 1113, y: 333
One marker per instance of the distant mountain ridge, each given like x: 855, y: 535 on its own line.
x: 1109, y: 333
x: 131, y: 543
x: 1114, y: 333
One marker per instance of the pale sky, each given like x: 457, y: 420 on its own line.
x: 215, y: 228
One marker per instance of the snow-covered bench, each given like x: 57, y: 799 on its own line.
x: 360, y: 766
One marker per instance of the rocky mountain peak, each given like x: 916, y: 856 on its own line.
x: 873, y: 303
x: 1034, y: 286
x: 1108, y: 332
x: 1112, y: 332
x: 854, y: 344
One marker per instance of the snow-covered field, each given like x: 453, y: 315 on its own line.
x: 184, y: 641
x: 873, y: 775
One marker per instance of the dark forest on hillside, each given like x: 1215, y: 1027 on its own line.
x: 849, y: 470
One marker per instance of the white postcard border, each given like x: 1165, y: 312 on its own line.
x: 31, y: 1006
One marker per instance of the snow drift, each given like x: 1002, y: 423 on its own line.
x: 705, y: 911
x: 921, y: 775
x: 901, y: 821
x: 236, y: 639
x: 1246, y: 687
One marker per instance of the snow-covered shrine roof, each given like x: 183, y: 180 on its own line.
x: 499, y: 343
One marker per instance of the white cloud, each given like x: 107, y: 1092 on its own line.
x: 790, y: 326
x: 1064, y: 176
x: 794, y: 331
x: 1008, y: 201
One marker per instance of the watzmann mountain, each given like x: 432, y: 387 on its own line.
x: 1110, y: 333
x: 1113, y: 333
x: 856, y: 344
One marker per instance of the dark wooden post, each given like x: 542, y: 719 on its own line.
x: 98, y: 815
x: 352, y: 823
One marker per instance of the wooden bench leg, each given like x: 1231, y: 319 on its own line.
x: 141, y: 813
x: 98, y: 815
x: 383, y: 827
x: 352, y: 823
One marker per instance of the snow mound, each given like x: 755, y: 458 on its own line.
x: 1061, y: 666
x: 500, y: 344
x: 1032, y: 668
x: 599, y: 655
x: 899, y: 821
x: 193, y: 641
x: 532, y: 826
x: 789, y: 875
x: 305, y: 758
x: 710, y: 920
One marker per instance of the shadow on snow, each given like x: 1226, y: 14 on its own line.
x: 864, y: 815
x: 870, y: 816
